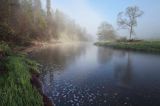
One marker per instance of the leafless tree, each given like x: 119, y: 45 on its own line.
x: 128, y: 19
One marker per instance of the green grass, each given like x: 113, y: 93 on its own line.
x: 5, y: 48
x: 146, y: 46
x: 15, y: 86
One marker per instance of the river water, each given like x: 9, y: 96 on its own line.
x: 86, y: 75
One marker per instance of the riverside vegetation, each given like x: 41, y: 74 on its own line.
x: 107, y: 35
x: 145, y: 46
x: 24, y: 23
x: 15, y: 79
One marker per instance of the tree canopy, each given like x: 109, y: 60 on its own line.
x: 106, y: 32
x: 29, y: 21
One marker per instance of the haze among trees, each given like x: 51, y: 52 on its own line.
x: 106, y: 32
x: 125, y: 20
x: 23, y: 21
x: 128, y: 19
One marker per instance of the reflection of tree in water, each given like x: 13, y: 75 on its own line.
x: 59, y: 55
x: 104, y: 55
x: 123, y: 72
x: 56, y: 58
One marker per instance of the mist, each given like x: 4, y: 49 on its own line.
x: 25, y: 21
x: 91, y: 13
x: 79, y: 53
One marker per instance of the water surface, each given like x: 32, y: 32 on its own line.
x: 86, y: 75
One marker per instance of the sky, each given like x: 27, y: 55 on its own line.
x: 91, y: 13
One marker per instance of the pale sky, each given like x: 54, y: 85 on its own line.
x: 90, y: 13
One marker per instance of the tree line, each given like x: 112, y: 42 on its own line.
x: 22, y: 21
x: 125, y: 20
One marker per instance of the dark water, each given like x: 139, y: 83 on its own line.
x: 86, y: 75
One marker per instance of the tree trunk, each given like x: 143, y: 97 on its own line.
x: 48, y: 6
x: 131, y: 31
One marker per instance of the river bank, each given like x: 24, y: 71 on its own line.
x: 20, y: 84
x: 144, y: 46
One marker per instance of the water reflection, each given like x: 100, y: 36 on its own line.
x: 123, y: 71
x: 86, y: 75
x: 105, y: 55
x: 122, y: 64
x: 55, y: 59
x: 59, y: 55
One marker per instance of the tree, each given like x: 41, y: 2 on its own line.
x: 48, y: 6
x: 106, y: 32
x: 4, y: 11
x: 128, y: 19
x: 22, y: 21
x: 37, y: 11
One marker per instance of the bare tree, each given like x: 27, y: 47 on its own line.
x: 128, y: 19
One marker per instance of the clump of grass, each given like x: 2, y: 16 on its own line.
x: 147, y: 46
x: 32, y: 65
x: 5, y: 48
x: 15, y: 86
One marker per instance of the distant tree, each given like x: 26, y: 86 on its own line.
x: 37, y: 11
x: 48, y: 6
x: 128, y: 19
x: 106, y: 32
x: 67, y: 29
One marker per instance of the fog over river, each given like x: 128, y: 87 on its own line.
x: 86, y: 75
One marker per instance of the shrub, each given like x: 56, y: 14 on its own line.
x: 4, y: 48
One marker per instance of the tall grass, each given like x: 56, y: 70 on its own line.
x: 15, y: 86
x: 5, y: 48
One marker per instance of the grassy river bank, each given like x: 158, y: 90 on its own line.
x: 19, y: 82
x: 144, y: 46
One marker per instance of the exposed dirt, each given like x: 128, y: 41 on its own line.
x: 37, y: 83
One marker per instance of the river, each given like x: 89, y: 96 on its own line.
x: 87, y: 75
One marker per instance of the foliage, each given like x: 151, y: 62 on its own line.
x: 106, y: 32
x: 146, y: 46
x: 29, y: 21
x: 6, y: 33
x: 121, y: 39
x: 67, y: 29
x: 32, y: 65
x: 15, y: 75
x: 5, y: 48
x: 16, y: 89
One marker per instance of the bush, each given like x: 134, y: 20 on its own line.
x: 122, y: 39
x: 4, y: 48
